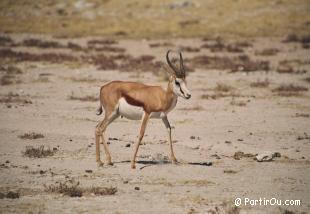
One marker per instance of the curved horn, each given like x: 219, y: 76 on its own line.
x: 182, y: 70
x: 170, y: 64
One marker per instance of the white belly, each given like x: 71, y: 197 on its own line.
x: 134, y: 112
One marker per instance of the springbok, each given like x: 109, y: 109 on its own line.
x: 137, y: 101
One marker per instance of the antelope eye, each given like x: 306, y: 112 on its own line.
x: 177, y: 83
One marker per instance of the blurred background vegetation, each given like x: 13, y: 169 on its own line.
x: 156, y: 18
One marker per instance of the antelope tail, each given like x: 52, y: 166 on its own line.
x: 99, y: 110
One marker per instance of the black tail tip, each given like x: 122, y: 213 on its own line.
x: 99, y: 111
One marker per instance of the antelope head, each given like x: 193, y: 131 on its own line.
x: 177, y: 78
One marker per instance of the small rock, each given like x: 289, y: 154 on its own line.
x: 227, y: 141
x: 240, y: 139
x: 55, y: 149
x: 216, y: 156
x: 7, y: 161
x: 70, y: 140
x: 137, y: 188
x: 125, y: 182
x: 89, y: 171
x: 196, y: 147
x: 128, y: 145
x: 267, y: 156
x: 192, y: 137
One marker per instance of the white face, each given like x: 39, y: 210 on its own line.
x: 180, y: 88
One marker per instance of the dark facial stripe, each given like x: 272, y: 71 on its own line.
x: 182, y: 90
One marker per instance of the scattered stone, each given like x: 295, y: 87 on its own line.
x: 238, y: 155
x: 240, y: 139
x: 125, y: 182
x: 89, y: 171
x: 137, y: 188
x: 227, y: 141
x: 304, y: 137
x: 267, y: 156
x: 113, y: 138
x: 7, y: 161
x: 192, y: 137
x: 216, y: 156
x: 195, y: 147
x: 55, y: 149
x: 128, y: 145
x: 42, y: 172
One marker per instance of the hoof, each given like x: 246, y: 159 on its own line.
x: 174, y: 161
x: 99, y: 163
x: 109, y: 163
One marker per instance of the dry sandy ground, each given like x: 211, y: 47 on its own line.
x: 249, y: 119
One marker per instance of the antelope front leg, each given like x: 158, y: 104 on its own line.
x: 168, y: 127
x: 142, y: 130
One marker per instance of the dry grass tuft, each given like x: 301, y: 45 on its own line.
x: 31, y: 136
x: 260, y: 84
x: 14, y: 98
x: 287, y: 66
x: 84, y: 79
x: 289, y: 90
x: 268, y: 52
x: 75, y: 47
x: 101, y: 42
x: 72, y: 189
x: 302, y: 115
x: 102, y: 190
x: 10, y: 75
x: 195, y: 108
x: 87, y: 98
x: 221, y: 87
x: 39, y: 152
x: 47, y: 57
x: 5, y: 40
x: 41, y: 44
x: 10, y: 195
x: 219, y: 46
x: 67, y: 188
x: 234, y: 102
x: 234, y: 64
x: 164, y: 44
x: 189, y: 49
x: 229, y: 171
x: 307, y: 79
